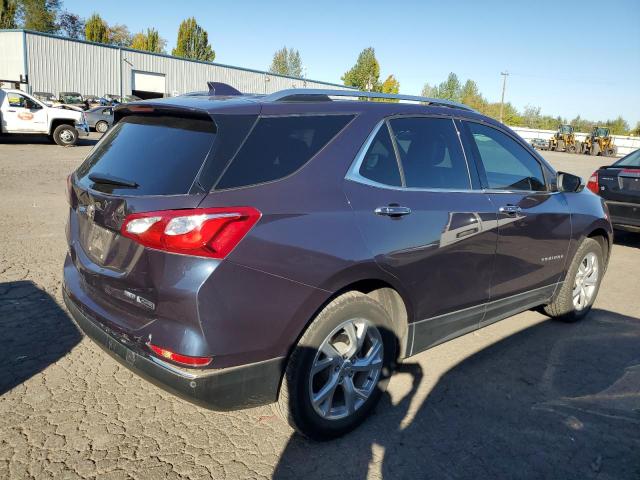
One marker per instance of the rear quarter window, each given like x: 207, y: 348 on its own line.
x: 278, y: 146
x: 162, y: 154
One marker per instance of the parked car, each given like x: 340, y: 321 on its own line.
x: 540, y: 144
x: 292, y: 247
x: 49, y: 99
x: 113, y: 99
x: 74, y: 99
x: 92, y: 101
x: 619, y: 185
x: 100, y: 118
x: 20, y: 113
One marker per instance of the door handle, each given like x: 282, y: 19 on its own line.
x: 12, y: 111
x: 511, y: 210
x: 393, y: 211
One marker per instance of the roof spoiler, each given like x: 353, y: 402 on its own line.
x: 220, y: 89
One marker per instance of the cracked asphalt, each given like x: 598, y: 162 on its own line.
x: 523, y: 398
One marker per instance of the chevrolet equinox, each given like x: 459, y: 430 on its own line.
x: 239, y: 250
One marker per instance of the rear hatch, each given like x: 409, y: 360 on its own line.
x: 154, y: 159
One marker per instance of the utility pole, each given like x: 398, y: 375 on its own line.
x: 504, y: 74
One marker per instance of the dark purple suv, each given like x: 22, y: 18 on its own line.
x: 291, y: 248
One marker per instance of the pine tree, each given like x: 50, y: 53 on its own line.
x: 193, y: 42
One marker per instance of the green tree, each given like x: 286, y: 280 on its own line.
x: 193, y: 42
x: 470, y: 95
x: 71, y: 25
x: 96, y: 29
x: 8, y: 10
x: 618, y: 126
x: 39, y: 15
x: 150, y: 41
x: 429, y: 91
x: 118, y: 35
x: 636, y: 130
x: 287, y: 62
x: 531, y: 117
x: 450, y: 89
x: 365, y: 74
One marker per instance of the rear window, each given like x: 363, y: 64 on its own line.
x: 278, y: 146
x: 631, y: 160
x: 162, y: 154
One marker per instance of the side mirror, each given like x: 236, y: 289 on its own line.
x: 569, y: 183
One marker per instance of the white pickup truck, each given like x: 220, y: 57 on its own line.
x: 20, y: 113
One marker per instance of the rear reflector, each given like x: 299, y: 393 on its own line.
x: 592, y: 184
x: 179, y: 358
x: 203, y: 232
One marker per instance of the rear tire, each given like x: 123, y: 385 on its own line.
x: 580, y: 288
x: 102, y: 126
x: 571, y: 149
x: 340, y: 368
x: 65, y: 135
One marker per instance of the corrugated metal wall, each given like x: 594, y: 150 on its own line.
x: 57, y: 64
x: 11, y: 56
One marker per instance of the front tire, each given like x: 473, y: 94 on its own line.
x: 339, y: 369
x: 580, y: 288
x: 65, y: 135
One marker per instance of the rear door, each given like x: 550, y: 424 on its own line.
x: 534, y: 223
x: 413, y: 198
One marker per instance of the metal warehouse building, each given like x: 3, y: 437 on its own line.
x: 47, y: 63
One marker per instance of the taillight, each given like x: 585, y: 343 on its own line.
x: 592, y: 184
x: 179, y: 358
x: 203, y: 232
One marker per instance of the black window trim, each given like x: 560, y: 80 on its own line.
x: 353, y: 174
x: 548, y: 183
x: 281, y: 115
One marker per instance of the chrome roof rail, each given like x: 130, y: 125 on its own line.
x: 320, y: 94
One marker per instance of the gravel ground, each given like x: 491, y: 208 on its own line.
x: 524, y: 398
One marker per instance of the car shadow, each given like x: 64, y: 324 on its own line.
x: 36, y: 332
x: 44, y: 140
x: 552, y: 401
x: 627, y: 239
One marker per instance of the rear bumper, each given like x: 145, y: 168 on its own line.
x: 624, y: 215
x: 217, y: 389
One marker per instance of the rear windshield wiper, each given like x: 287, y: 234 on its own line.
x: 111, y: 180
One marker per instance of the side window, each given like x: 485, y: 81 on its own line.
x: 430, y: 153
x: 16, y: 100
x: 278, y: 146
x: 507, y: 164
x: 107, y: 111
x: 379, y: 163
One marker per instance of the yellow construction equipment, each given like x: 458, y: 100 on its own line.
x: 564, y: 140
x: 599, y: 142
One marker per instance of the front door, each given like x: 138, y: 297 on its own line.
x: 534, y: 224
x: 21, y: 114
x: 413, y: 198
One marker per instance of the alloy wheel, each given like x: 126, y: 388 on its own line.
x: 346, y: 369
x: 586, y: 281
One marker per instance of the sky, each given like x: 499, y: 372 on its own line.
x: 566, y: 57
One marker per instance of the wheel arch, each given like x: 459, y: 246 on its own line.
x: 604, y: 239
x: 56, y: 122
